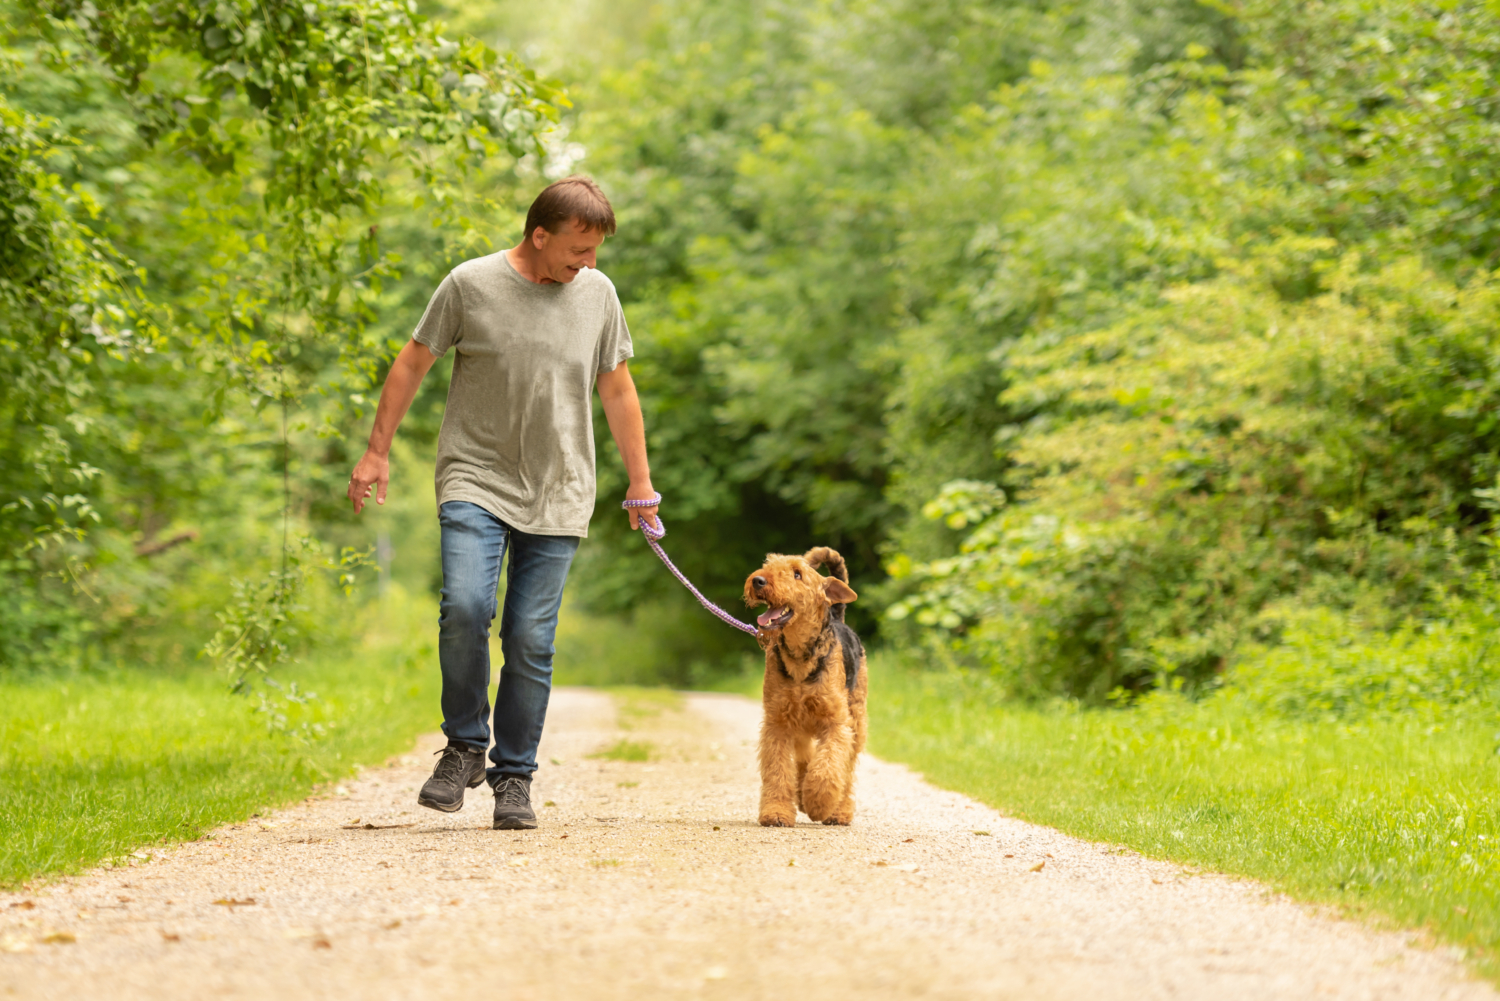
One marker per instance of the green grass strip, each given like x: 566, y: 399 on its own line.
x: 93, y: 768
x: 1392, y: 821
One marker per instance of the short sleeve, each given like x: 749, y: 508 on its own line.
x: 614, y: 340
x: 441, y: 326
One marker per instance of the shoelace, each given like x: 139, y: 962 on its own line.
x: 451, y: 767
x: 512, y: 792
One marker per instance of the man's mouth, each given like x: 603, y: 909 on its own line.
x: 774, y: 618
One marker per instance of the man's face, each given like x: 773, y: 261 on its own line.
x: 561, y: 255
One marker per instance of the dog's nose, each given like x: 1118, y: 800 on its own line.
x: 759, y: 582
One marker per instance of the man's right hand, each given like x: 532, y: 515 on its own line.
x: 371, y: 470
x: 374, y: 469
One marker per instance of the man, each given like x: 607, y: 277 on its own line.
x: 535, y: 328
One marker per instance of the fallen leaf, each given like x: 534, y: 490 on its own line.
x: 60, y: 938
x: 393, y: 925
x: 906, y: 842
x: 982, y: 834
x: 1038, y: 867
x: 791, y: 861
x: 880, y: 861
x: 1156, y: 881
x: 171, y: 936
x: 1010, y: 856
x: 25, y: 905
x: 1048, y: 854
x: 231, y: 902
x: 322, y: 943
x: 549, y: 803
x: 375, y: 827
x: 716, y: 827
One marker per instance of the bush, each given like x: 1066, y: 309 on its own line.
x: 1199, y: 461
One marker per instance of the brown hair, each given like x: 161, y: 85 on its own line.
x: 575, y: 197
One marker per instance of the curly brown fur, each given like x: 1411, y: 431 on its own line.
x: 815, y: 689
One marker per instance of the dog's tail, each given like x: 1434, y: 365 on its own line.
x: 820, y: 556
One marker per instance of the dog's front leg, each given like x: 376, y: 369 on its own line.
x: 828, y: 775
x: 778, y: 780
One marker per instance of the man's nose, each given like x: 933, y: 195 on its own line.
x: 758, y: 582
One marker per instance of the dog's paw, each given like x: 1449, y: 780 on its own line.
x: 838, y: 821
x: 777, y: 820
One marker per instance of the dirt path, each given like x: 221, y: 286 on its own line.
x: 652, y: 880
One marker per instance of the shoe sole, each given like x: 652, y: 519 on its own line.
x: 515, y: 824
x: 433, y: 804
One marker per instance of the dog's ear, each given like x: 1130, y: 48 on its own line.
x: 838, y: 592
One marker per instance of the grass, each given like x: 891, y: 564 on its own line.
x: 1393, y: 821
x: 625, y: 750
x: 96, y: 767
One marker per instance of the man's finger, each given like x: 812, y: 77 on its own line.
x: 380, y: 489
x: 635, y: 519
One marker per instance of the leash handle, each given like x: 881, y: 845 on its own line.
x: 653, y: 535
x: 649, y: 531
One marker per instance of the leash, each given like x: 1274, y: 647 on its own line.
x: 653, y: 539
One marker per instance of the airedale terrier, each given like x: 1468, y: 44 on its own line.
x: 815, y: 689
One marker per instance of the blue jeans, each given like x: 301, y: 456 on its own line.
x: 474, y: 544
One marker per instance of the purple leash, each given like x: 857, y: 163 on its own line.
x: 653, y: 536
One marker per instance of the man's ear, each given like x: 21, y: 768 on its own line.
x: 539, y: 237
x: 838, y: 592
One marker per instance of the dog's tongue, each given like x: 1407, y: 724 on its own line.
x: 764, y: 618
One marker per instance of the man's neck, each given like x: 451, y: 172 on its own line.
x: 524, y: 262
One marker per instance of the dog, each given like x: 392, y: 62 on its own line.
x: 815, y: 689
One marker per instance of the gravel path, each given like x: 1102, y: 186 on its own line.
x: 652, y: 880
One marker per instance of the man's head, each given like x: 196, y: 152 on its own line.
x: 564, y: 228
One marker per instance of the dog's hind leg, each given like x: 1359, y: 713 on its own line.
x: 827, y: 780
x: 778, y: 778
x: 843, y: 815
x: 859, y: 719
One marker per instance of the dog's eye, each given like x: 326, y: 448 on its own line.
x: 797, y: 574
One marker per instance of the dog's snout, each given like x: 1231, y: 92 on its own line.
x: 758, y: 582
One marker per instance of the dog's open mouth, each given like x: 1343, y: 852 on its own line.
x: 774, y: 618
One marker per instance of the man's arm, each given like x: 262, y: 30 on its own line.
x: 374, y: 468
x: 622, y: 408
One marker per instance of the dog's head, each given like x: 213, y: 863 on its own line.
x: 797, y: 595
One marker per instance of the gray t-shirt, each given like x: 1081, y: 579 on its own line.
x: 518, y: 434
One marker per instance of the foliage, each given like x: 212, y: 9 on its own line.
x: 1202, y: 464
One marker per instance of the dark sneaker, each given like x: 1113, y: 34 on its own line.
x: 460, y: 767
x: 513, y: 804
